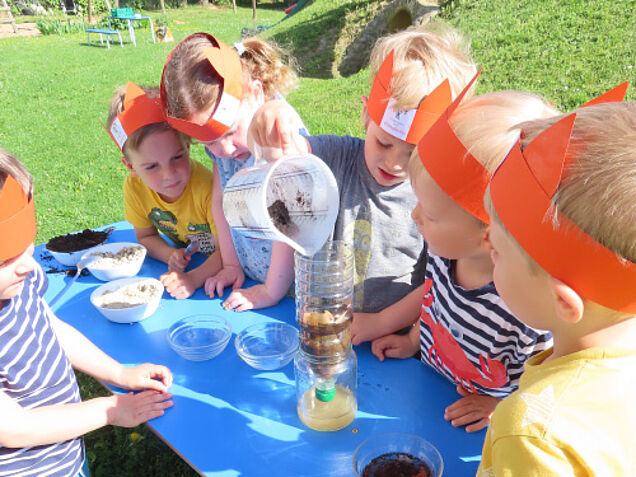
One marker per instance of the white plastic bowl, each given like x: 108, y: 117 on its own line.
x: 130, y: 314
x: 70, y: 259
x: 100, y: 269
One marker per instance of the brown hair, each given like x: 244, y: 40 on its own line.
x: 11, y: 166
x: 135, y: 139
x: 192, y: 86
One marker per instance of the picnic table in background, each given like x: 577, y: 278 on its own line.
x: 229, y: 419
x: 128, y: 15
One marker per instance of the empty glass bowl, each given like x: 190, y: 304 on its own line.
x: 267, y: 346
x: 382, y: 454
x: 200, y: 337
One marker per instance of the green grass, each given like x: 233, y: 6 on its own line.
x: 54, y: 90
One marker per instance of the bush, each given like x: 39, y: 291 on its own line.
x: 57, y: 27
x: 99, y: 6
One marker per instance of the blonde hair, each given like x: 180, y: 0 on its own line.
x: 488, y: 125
x: 136, y: 138
x: 598, y: 189
x: 192, y: 86
x: 423, y: 57
x: 11, y: 166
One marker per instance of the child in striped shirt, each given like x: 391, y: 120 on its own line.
x: 466, y: 332
x: 43, y: 416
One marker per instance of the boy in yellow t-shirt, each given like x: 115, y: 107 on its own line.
x: 166, y: 192
x: 564, y: 252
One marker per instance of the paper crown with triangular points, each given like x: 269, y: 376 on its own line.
x: 409, y: 125
x: 139, y: 111
x: 452, y: 167
x: 226, y: 63
x: 521, y: 190
x: 17, y: 220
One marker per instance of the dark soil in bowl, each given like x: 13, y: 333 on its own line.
x: 75, y: 242
x: 397, y: 464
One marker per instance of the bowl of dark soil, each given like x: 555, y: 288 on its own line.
x: 68, y: 249
x: 397, y: 454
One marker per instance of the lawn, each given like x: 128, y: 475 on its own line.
x: 55, y: 90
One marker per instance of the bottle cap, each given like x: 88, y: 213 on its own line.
x: 325, y: 389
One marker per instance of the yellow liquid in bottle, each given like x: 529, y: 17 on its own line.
x: 330, y: 415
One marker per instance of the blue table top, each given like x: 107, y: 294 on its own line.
x: 232, y: 420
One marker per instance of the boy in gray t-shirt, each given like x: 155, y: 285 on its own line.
x: 415, y: 75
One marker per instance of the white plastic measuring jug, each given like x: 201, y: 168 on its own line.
x: 293, y: 200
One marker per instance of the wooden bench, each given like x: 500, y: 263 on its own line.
x: 102, y: 32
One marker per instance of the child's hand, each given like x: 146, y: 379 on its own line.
x: 179, y: 284
x: 472, y: 409
x: 254, y: 297
x: 274, y: 128
x: 178, y: 260
x: 228, y: 276
x: 363, y: 327
x: 130, y: 410
x: 393, y: 346
x: 146, y: 376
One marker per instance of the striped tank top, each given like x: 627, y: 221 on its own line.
x: 35, y: 372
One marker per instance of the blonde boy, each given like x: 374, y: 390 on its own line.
x: 431, y: 63
x: 166, y: 193
x: 564, y: 249
x: 43, y: 416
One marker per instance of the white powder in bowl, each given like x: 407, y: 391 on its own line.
x: 109, y: 260
x: 127, y: 296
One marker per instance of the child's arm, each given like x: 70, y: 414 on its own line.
x: 231, y: 273
x: 159, y: 249
x: 274, y: 131
x: 405, y: 312
x: 397, y: 346
x: 20, y: 427
x: 279, y: 278
x: 472, y: 409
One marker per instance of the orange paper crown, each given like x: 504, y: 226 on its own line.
x: 139, y: 111
x: 17, y: 220
x: 226, y: 63
x: 521, y: 190
x: 409, y: 125
x: 450, y: 164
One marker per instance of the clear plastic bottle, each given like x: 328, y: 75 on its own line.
x: 326, y: 365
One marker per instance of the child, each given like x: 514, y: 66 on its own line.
x: 43, y: 417
x: 466, y: 332
x: 371, y: 173
x: 166, y: 192
x: 211, y: 91
x: 564, y: 246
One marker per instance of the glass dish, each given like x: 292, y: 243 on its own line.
x: 199, y: 337
x: 267, y: 346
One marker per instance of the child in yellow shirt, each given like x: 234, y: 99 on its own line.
x: 166, y: 192
x: 562, y: 207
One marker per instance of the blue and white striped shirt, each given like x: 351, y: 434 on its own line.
x: 471, y: 337
x: 35, y: 372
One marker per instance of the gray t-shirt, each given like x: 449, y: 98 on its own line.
x: 377, y: 219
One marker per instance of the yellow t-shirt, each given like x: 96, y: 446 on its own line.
x: 573, y: 416
x: 188, y: 217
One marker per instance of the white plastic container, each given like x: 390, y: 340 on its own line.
x: 110, y: 269
x: 293, y: 200
x: 128, y: 314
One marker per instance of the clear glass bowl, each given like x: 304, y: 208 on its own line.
x: 200, y: 337
x: 389, y: 444
x: 267, y: 346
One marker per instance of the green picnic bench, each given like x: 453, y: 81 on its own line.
x: 103, y: 32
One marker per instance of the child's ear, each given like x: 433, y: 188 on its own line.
x: 484, y: 239
x: 568, y: 303
x: 128, y: 165
x: 256, y: 88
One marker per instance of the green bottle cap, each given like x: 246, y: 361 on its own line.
x: 325, y: 390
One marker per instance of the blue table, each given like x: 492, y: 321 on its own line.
x: 231, y: 420
x: 131, y: 30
